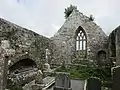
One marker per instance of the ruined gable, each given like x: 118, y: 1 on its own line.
x: 66, y: 42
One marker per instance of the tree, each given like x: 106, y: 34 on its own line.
x: 69, y: 10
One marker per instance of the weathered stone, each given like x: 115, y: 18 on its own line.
x: 93, y: 84
x: 21, y: 44
x: 36, y: 87
x: 47, y: 67
x: 116, y: 78
x: 39, y: 77
x: 22, y: 40
x: 65, y: 38
x: 118, y: 46
x: 62, y: 82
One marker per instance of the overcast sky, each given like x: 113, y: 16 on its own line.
x: 46, y: 16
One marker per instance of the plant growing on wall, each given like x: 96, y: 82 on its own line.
x: 69, y: 10
x: 91, y: 18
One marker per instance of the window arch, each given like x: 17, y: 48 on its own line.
x: 81, y: 43
x: 81, y: 40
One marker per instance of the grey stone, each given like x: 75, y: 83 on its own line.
x: 39, y: 77
x: 93, y: 84
x: 36, y: 87
x: 65, y: 41
x: 116, y: 78
x: 62, y: 82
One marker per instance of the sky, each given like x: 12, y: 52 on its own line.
x: 45, y: 17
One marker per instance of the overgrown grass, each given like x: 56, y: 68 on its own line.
x: 84, y: 72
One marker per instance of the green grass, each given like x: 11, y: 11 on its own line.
x: 83, y: 72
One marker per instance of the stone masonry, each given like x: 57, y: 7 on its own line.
x: 64, y: 39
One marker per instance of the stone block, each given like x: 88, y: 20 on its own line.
x: 116, y: 78
x: 60, y: 88
x: 63, y: 82
x: 36, y: 87
x: 93, y: 84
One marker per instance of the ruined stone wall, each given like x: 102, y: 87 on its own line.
x: 118, y: 45
x: 114, y: 45
x: 26, y: 43
x: 65, y: 38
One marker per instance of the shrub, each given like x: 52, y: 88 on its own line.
x: 69, y: 10
x: 91, y: 18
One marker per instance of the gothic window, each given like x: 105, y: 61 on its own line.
x: 81, y: 41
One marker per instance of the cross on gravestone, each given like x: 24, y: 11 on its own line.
x: 62, y: 82
x: 116, y: 78
x: 93, y: 84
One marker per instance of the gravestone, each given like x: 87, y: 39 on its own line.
x: 39, y: 77
x: 116, y: 78
x: 93, y: 84
x: 62, y: 82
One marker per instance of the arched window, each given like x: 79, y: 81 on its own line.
x: 81, y: 41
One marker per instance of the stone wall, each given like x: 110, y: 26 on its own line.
x: 114, y: 45
x: 118, y: 45
x: 26, y: 43
x: 64, y: 39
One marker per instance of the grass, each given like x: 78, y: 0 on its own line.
x: 83, y: 72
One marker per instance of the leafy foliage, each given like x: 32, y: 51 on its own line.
x: 91, y: 18
x: 69, y: 10
x: 84, y: 72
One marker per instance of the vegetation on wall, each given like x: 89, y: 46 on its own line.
x: 91, y: 18
x: 69, y: 10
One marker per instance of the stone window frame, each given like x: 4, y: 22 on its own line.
x: 81, y: 30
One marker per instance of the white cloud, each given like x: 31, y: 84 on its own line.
x: 46, y: 16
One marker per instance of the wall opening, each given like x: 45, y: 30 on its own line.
x: 101, y: 57
x: 22, y: 72
x: 81, y: 42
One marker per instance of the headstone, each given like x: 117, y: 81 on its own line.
x: 93, y: 84
x: 62, y: 82
x: 116, y: 78
x: 39, y: 77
